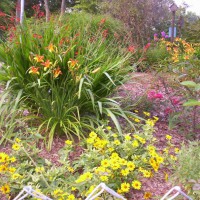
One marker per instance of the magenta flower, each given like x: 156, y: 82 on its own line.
x: 163, y: 34
x: 155, y: 95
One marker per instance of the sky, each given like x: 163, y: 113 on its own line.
x: 194, y: 5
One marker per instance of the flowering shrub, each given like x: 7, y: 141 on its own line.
x: 122, y: 162
x: 66, y: 71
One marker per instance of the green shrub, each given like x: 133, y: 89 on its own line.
x: 66, y: 70
x: 156, y: 54
x: 186, y: 171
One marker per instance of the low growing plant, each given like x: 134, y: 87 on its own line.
x: 122, y: 162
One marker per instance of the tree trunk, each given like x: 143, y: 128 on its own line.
x: 63, y: 7
x: 18, y: 5
x: 46, y: 5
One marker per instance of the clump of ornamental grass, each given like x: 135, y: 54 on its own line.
x: 66, y: 71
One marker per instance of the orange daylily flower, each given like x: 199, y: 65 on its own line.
x: 39, y: 58
x: 51, y: 48
x: 34, y: 70
x: 72, y: 62
x: 46, y: 64
x: 56, y: 72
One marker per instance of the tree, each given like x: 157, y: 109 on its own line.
x: 46, y: 5
x: 142, y: 17
x: 63, y: 7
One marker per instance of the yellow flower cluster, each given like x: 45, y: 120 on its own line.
x: 61, y: 195
x: 179, y: 50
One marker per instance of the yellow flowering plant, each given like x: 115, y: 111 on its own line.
x: 122, y: 162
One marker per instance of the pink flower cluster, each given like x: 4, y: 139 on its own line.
x: 155, y: 95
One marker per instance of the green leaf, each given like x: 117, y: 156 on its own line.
x: 189, y: 83
x: 114, y: 119
x: 192, y: 102
x: 100, y: 106
x: 80, y: 87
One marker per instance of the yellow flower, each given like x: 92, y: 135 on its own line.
x: 68, y: 142
x: 57, y: 192
x: 136, y: 120
x: 150, y: 122
x: 125, y: 187
x: 130, y: 166
x: 114, y: 155
x: 17, y: 140
x: 93, y: 135
x: 108, y: 128
x: 117, y: 142
x: 155, y: 118
x: 123, y: 162
x: 39, y: 169
x: 84, y: 177
x: 176, y: 150
x: 12, y: 170
x: 146, y: 113
x: 146, y: 173
x: 70, y: 169
x: 135, y: 143
x: 105, y: 163
x: 168, y: 137
x: 3, y: 157
x: 125, y: 172
x: 71, y: 197
x: 90, y: 140
x: 16, y: 146
x: 159, y: 159
x: 127, y: 137
x: 5, y: 189
x: 147, y: 195
x: 90, y: 190
x: 155, y: 166
x: 136, y: 111
x: 12, y: 159
x: 104, y: 178
x: 136, y: 185
x: 16, y: 176
x: 3, y: 168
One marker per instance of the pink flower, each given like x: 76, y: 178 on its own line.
x: 168, y: 111
x: 175, y: 101
x: 154, y: 95
x: 158, y: 96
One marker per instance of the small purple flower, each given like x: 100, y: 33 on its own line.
x: 163, y: 34
x: 166, y: 36
x: 25, y: 112
x: 155, y: 35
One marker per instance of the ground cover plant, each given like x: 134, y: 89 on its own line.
x: 76, y: 177
x: 66, y: 72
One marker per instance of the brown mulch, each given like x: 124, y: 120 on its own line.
x: 140, y: 83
